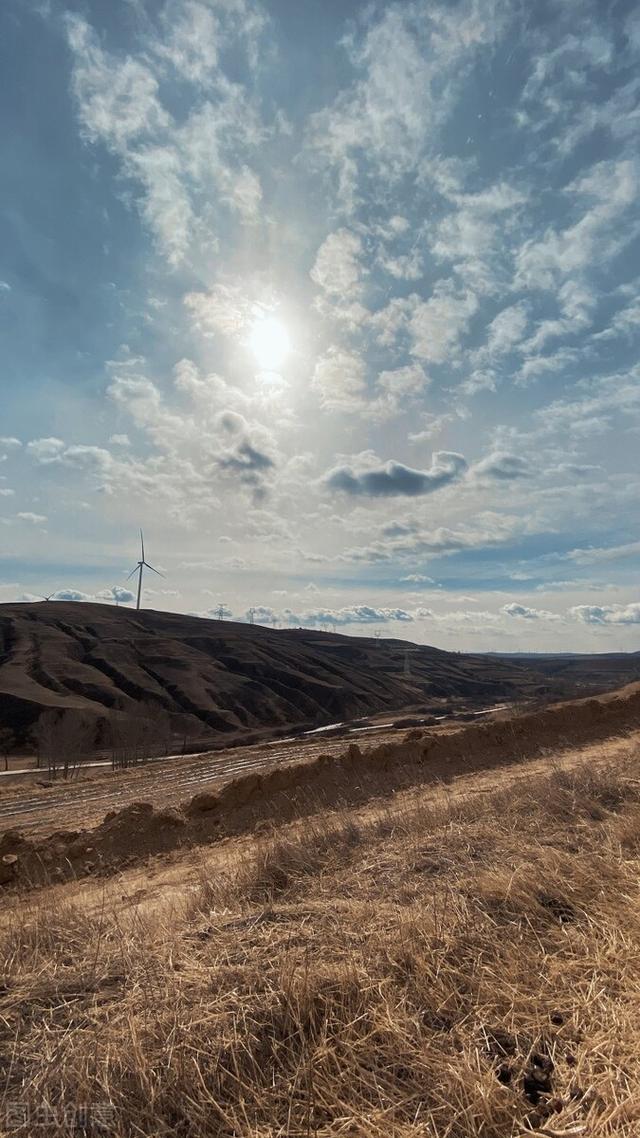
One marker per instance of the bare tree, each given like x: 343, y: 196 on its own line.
x: 140, y: 737
x: 63, y: 742
x: 7, y: 743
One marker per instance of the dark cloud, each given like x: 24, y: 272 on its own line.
x: 246, y: 459
x: 395, y: 479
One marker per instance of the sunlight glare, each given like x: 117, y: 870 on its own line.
x: 269, y: 342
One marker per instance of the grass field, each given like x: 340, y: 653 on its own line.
x: 443, y: 965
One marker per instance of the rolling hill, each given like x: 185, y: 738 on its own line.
x: 218, y: 681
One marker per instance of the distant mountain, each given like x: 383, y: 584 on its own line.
x: 112, y: 669
x: 595, y: 671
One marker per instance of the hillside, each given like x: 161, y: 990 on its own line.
x: 216, y: 680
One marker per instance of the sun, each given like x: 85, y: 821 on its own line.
x: 269, y: 342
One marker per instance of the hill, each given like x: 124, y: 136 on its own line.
x: 590, y: 671
x: 216, y: 679
x: 115, y: 670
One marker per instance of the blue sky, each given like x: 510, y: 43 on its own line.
x: 340, y: 301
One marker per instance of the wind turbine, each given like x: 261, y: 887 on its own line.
x: 142, y: 564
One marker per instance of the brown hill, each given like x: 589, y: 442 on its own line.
x: 213, y: 681
x: 218, y: 679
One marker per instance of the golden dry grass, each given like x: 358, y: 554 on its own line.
x: 434, y: 969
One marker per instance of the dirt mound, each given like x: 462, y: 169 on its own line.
x: 282, y: 793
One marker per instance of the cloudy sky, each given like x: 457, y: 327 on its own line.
x: 338, y: 299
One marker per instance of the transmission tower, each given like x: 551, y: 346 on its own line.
x: 408, y: 652
x: 251, y: 613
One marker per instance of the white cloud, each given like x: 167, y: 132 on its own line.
x: 625, y: 322
x: 405, y: 266
x: 46, y: 450
x: 606, y: 614
x: 407, y: 63
x: 535, y: 366
x: 522, y: 612
x: 339, y: 379
x: 33, y: 519
x: 223, y: 310
x: 576, y: 302
x: 396, y: 387
x: 594, y: 239
x: 192, y: 41
x: 353, y: 615
x: 434, y: 327
x: 431, y: 425
x: 501, y: 466
x: 338, y: 268
x: 593, y: 556
x: 180, y: 166
x: 506, y: 329
x: 438, y: 324
x: 117, y: 593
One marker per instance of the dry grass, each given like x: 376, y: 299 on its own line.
x: 442, y: 971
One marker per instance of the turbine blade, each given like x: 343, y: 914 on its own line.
x: 153, y: 570
x: 133, y: 571
x: 142, y: 544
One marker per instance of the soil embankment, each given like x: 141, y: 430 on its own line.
x: 355, y: 776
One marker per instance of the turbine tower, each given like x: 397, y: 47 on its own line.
x: 142, y: 564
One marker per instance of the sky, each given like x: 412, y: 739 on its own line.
x: 338, y: 300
